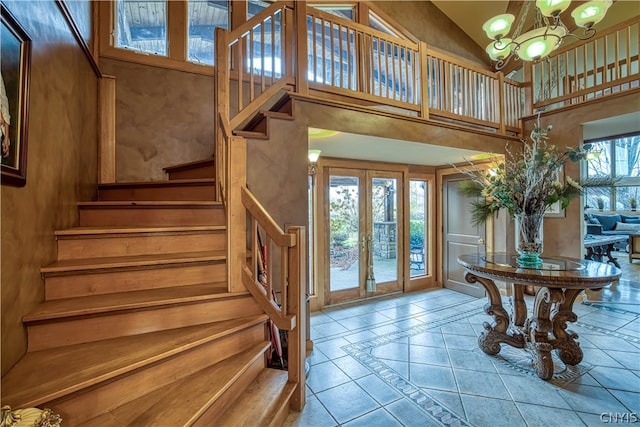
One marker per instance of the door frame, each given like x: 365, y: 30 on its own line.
x: 366, y: 231
x: 317, y: 301
x: 489, y: 240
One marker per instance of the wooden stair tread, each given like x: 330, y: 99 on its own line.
x: 184, y: 401
x: 152, y: 204
x: 87, y: 264
x: 45, y: 375
x: 126, y: 184
x: 250, y: 134
x: 277, y: 115
x: 90, y: 231
x: 96, y: 304
x: 203, y: 162
x: 259, y: 403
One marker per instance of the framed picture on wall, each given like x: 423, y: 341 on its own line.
x: 555, y: 210
x: 15, y: 64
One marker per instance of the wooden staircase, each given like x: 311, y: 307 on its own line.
x: 138, y: 327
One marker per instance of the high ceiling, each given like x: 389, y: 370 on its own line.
x: 469, y: 15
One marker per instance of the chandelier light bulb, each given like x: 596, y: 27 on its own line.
x: 590, y: 13
x: 498, y: 26
x: 552, y: 8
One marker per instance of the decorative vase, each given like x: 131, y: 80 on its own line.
x: 529, y: 239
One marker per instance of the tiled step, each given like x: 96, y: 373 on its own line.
x: 200, y: 169
x: 264, y: 403
x: 97, y: 242
x: 97, y: 276
x: 184, y: 189
x: 195, y: 400
x: 83, y: 380
x: 79, y: 320
x: 150, y: 213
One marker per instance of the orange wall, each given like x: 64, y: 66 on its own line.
x: 61, y: 162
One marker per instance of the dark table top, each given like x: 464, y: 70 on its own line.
x: 557, y: 272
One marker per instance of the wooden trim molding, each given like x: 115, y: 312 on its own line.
x: 73, y: 26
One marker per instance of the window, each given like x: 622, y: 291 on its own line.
x: 256, y: 6
x: 204, y: 18
x: 142, y: 26
x: 170, y: 33
x: 615, y: 173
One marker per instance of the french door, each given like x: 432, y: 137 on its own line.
x: 364, y: 234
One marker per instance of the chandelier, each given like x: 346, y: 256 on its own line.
x: 548, y: 32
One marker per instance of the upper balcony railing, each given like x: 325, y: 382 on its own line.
x: 604, y: 65
x: 351, y: 60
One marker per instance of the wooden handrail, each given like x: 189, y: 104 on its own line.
x: 268, y: 305
x: 264, y: 219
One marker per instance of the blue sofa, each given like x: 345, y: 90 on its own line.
x: 600, y: 224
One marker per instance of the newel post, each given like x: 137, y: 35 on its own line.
x: 107, y: 120
x: 527, y: 69
x: 236, y: 212
x: 424, y: 80
x: 300, y: 43
x: 297, y: 301
x: 502, y: 130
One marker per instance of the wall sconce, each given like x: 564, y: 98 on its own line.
x: 314, y: 155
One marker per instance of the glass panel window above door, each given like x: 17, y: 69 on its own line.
x: 142, y: 26
x: 204, y: 17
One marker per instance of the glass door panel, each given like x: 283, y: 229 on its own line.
x: 384, y: 232
x: 417, y: 227
x: 365, y: 235
x: 344, y: 233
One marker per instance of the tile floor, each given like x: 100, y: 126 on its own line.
x: 413, y: 360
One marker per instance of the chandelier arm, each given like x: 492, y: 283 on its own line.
x: 501, y: 63
x: 587, y: 34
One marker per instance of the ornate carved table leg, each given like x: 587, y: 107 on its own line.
x: 519, y: 306
x: 569, y: 349
x: 489, y: 341
x: 539, y: 328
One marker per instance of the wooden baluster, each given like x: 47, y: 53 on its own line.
x: 340, y: 68
x: 251, y: 66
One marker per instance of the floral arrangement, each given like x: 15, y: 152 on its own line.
x: 527, y: 183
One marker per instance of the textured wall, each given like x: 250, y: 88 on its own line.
x: 163, y: 118
x: 61, y: 165
x: 426, y: 22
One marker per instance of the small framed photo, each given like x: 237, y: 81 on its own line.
x: 555, y: 211
x: 14, y: 99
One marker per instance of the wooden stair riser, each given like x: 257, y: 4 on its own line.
x: 125, y: 280
x: 161, y: 216
x: 83, y: 405
x: 84, y: 329
x: 159, y: 192
x: 98, y: 246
